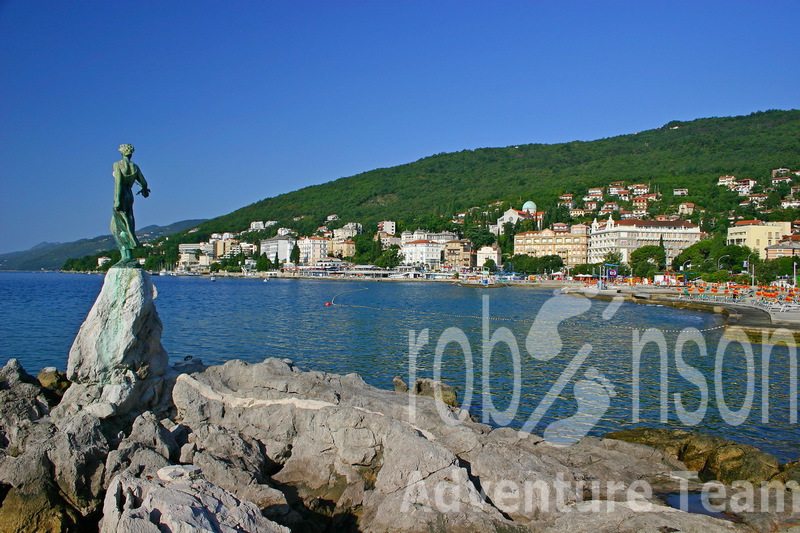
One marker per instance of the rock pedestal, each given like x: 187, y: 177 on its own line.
x: 117, y: 359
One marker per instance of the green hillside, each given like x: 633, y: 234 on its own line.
x: 52, y: 255
x: 679, y: 154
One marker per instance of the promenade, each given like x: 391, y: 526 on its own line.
x: 745, y: 311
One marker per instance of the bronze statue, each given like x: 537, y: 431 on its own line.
x: 123, y: 225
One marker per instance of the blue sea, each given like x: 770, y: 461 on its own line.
x: 529, y: 353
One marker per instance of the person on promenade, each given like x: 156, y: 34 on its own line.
x: 123, y: 225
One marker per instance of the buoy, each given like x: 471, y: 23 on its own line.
x: 327, y: 304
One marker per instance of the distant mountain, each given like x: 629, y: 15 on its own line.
x: 689, y: 154
x: 51, y: 255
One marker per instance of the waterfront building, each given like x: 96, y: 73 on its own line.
x: 625, y: 236
x: 281, y: 246
x: 222, y: 248
x: 423, y: 253
x: 459, y: 254
x: 571, y: 243
x: 312, y: 249
x: 757, y: 234
x: 341, y: 248
x: 489, y: 252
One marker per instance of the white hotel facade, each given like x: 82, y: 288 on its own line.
x: 625, y: 236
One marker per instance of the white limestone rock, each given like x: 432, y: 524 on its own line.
x: 179, y: 500
x: 117, y: 359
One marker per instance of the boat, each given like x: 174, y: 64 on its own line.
x: 266, y: 280
x: 213, y: 278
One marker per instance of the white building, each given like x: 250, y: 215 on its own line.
x: 512, y: 216
x: 204, y: 248
x: 388, y: 226
x: 423, y: 253
x: 625, y: 236
x: 489, y: 252
x: 282, y: 246
x: 425, y: 235
x: 349, y: 230
x: 312, y: 249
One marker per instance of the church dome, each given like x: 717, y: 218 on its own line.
x: 529, y: 206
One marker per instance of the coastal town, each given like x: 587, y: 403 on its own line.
x: 597, y: 232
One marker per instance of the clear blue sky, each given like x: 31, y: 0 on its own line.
x: 228, y: 103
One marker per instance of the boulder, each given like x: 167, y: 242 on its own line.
x: 78, y: 454
x: 33, y: 502
x: 147, y: 448
x: 117, y: 358
x: 350, y: 457
x: 399, y: 384
x: 53, y: 380
x: 179, y: 500
x: 436, y: 389
x: 329, y: 444
x: 22, y: 402
x: 714, y: 458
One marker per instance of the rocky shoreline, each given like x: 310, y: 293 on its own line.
x: 123, y: 442
x: 267, y: 447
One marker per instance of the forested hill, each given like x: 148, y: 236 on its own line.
x: 679, y: 154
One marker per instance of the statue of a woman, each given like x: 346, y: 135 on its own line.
x: 123, y: 226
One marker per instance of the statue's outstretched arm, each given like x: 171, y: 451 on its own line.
x: 143, y: 182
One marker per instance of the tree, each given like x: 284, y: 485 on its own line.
x: 263, y: 263
x: 648, y: 260
x: 550, y: 264
x: 390, y: 258
x: 490, y: 265
x: 479, y: 236
x: 294, y: 257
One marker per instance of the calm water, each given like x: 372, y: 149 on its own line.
x: 368, y: 333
